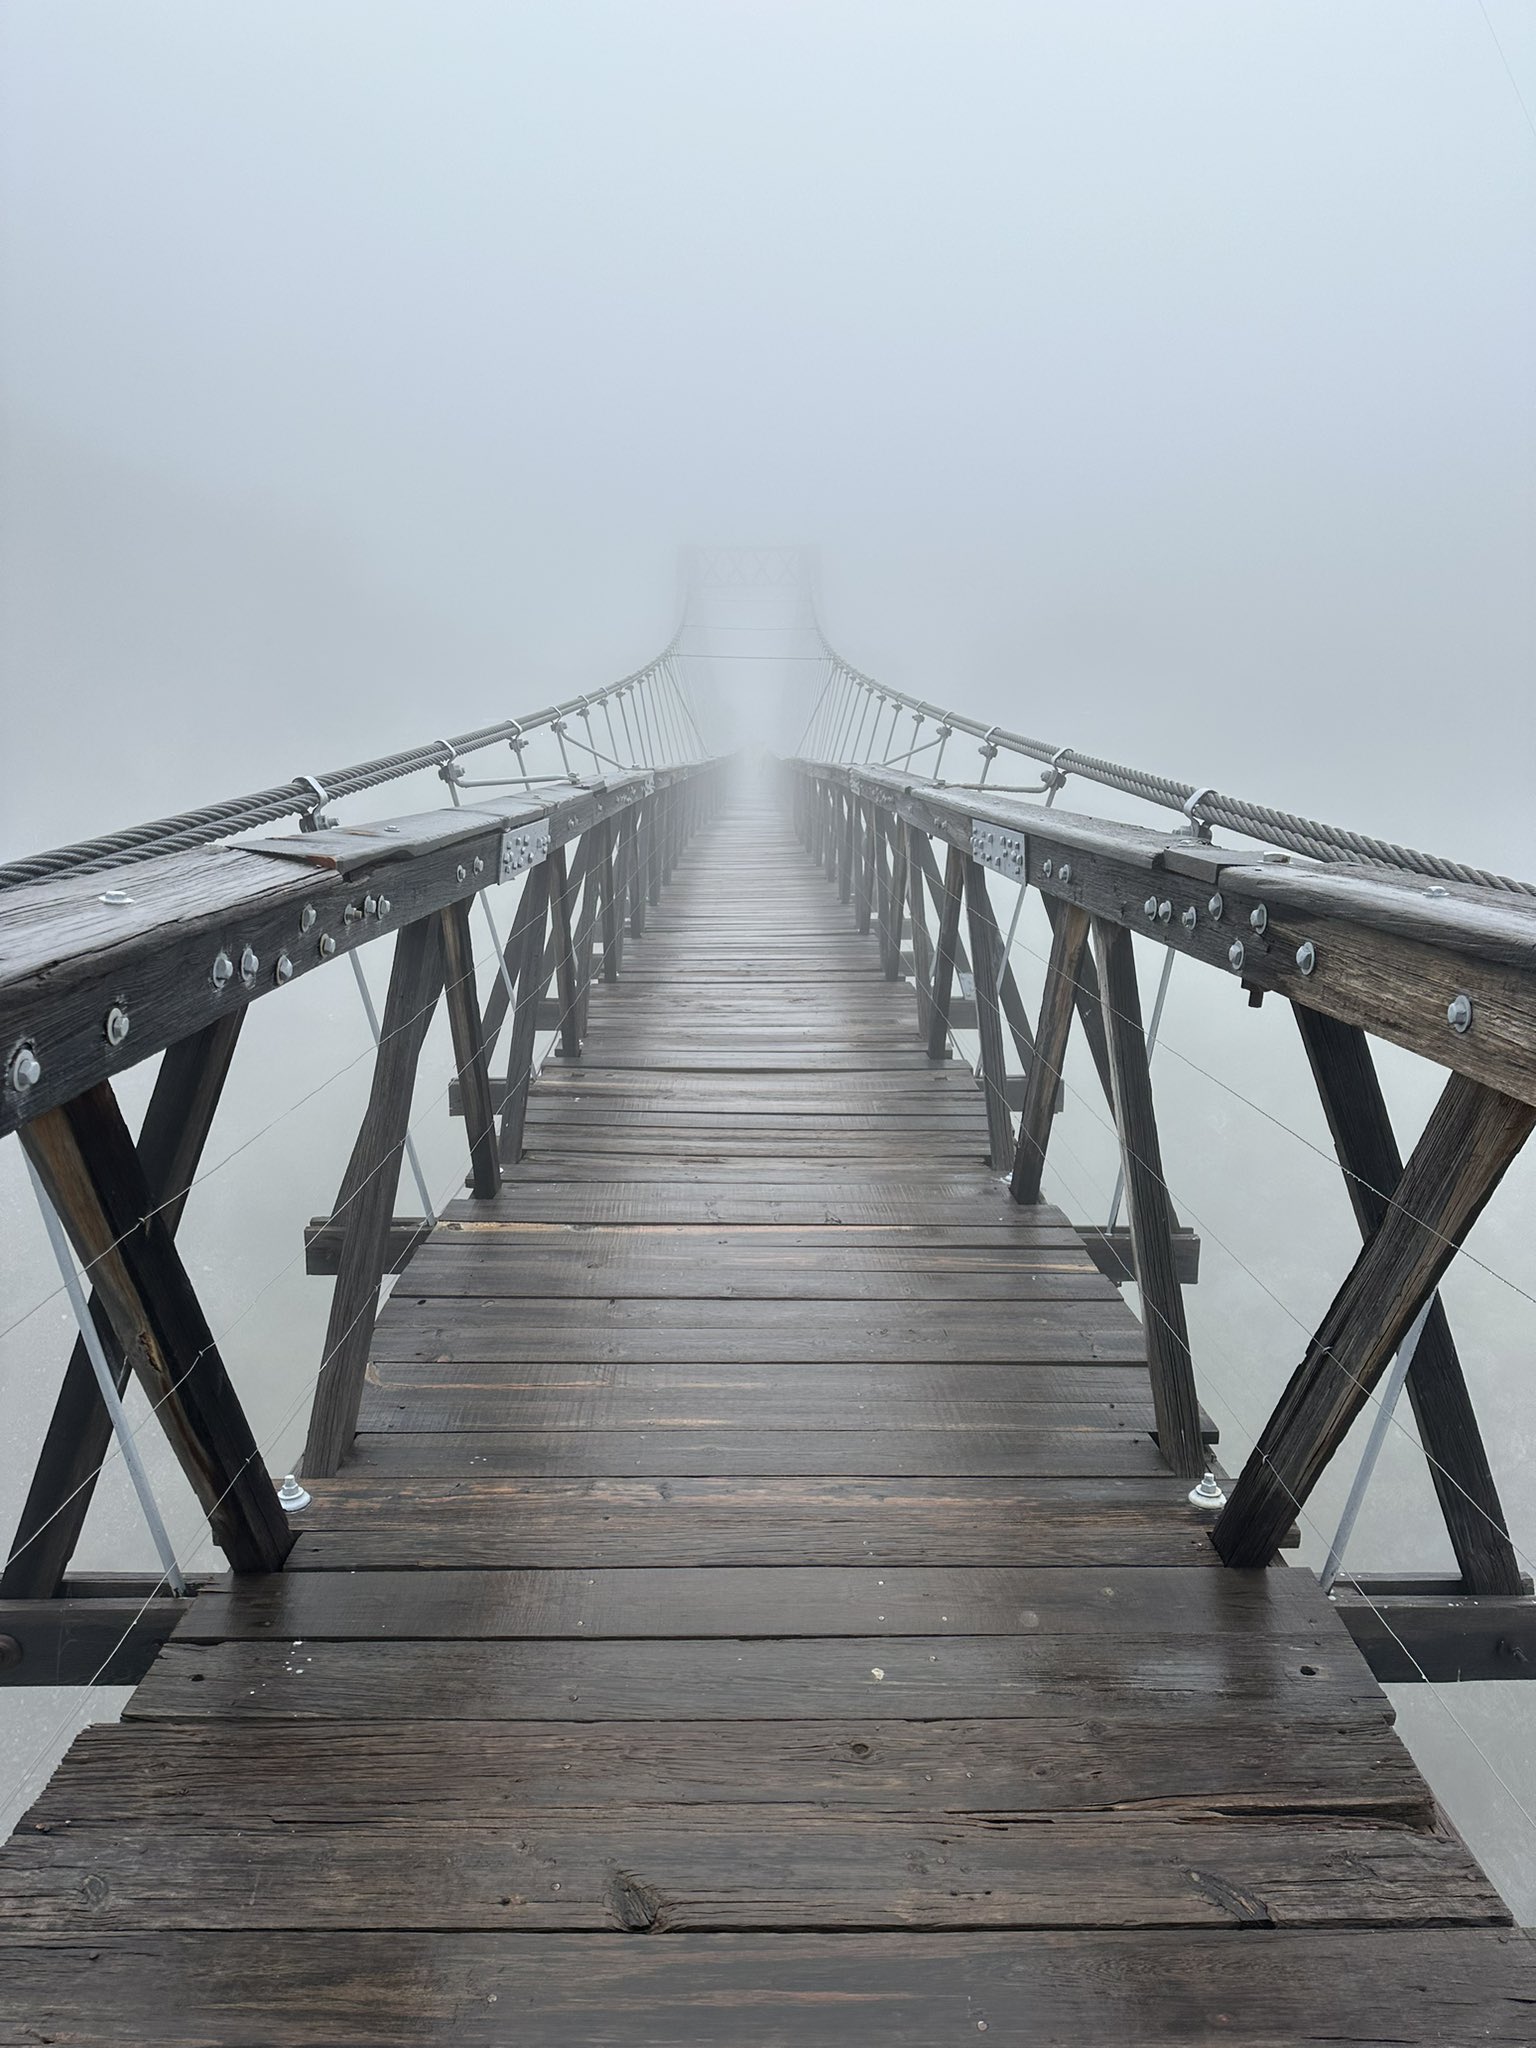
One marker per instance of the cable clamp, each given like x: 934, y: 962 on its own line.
x: 1191, y: 809
x: 987, y: 750
x: 313, y: 819
x: 448, y: 769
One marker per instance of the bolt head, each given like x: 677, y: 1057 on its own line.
x: 1459, y: 1014
x: 116, y: 1025
x: 222, y: 970
x: 463, y: 872
x: 1190, y: 918
x: 1258, y: 917
x: 121, y: 896
x: 283, y: 971
x: 1164, y: 911
x: 1214, y: 908
x: 1150, y: 906
x: 383, y: 906
x: 250, y: 965
x: 1235, y: 954
x: 371, y: 905
x: 307, y: 918
x: 1047, y: 868
x: 25, y: 1069
x: 479, y: 865
x: 327, y: 945
x: 1306, y: 956
x: 1066, y: 871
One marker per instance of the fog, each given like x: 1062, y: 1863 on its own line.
x: 1155, y: 379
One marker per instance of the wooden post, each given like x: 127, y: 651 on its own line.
x: 1086, y: 996
x: 86, y: 1161
x: 655, y: 830
x: 1042, y: 1079
x: 469, y: 1049
x: 864, y: 813
x: 586, y: 923
x: 944, y: 955
x: 638, y: 829
x: 367, y: 1201
x: 175, y: 1129
x: 986, y: 958
x: 529, y: 932
x: 563, y: 885
x: 897, y: 897
x: 1151, y: 1213
x: 613, y: 922
x: 1356, y: 1109
x: 850, y: 839
x: 1472, y: 1135
x: 922, y: 943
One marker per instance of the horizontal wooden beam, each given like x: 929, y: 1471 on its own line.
x: 83, y: 1642
x: 1377, y: 947
x: 100, y: 971
x: 1110, y: 1251
x: 1411, y: 1631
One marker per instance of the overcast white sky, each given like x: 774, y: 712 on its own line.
x: 1156, y: 374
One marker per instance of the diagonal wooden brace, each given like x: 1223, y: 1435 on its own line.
x: 1472, y: 1135
x: 86, y: 1160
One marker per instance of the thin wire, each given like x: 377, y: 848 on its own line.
x: 1508, y: 71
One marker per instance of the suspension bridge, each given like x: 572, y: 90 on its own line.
x: 751, y: 1577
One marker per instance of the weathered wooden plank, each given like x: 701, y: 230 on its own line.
x: 1042, y: 1082
x: 730, y: 1601
x: 1310, y: 1673
x: 944, y: 955
x: 436, y: 1525
x: 52, y: 1640
x: 1393, y: 1989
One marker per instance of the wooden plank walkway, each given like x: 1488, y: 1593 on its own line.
x: 755, y: 1612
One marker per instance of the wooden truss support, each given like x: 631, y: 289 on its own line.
x: 986, y: 959
x: 367, y: 1199
x: 850, y: 845
x: 95, y: 1179
x: 1042, y: 1080
x: 176, y: 1125
x: 1151, y: 1214
x: 610, y: 855
x: 528, y: 936
x: 1472, y: 1135
x: 1342, y: 1066
x: 865, y: 816
x: 564, y: 882
x: 944, y: 955
x: 922, y: 939
x: 896, y: 899
x: 469, y: 1049
x: 637, y: 868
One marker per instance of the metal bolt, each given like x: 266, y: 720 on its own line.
x: 222, y: 970
x: 1459, y: 1014
x: 479, y: 865
x: 25, y: 1070
x: 371, y: 905
x: 1190, y: 918
x: 1207, y: 1494
x: 1047, y: 868
x: 1235, y: 954
x: 283, y: 969
x: 353, y: 914
x: 1258, y: 917
x: 250, y: 965
x: 1306, y: 956
x: 1164, y: 911
x: 116, y: 1024
x: 327, y: 945
x: 463, y: 872
x: 291, y: 1495
x: 122, y: 896
x: 1434, y: 889
x: 383, y: 906
x: 307, y: 917
x: 1066, y: 871
x: 1215, y: 907
x: 1150, y: 906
